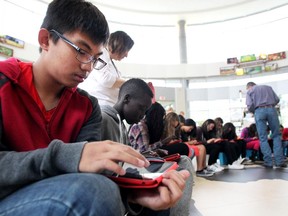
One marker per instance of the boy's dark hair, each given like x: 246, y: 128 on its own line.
x: 136, y: 88
x: 120, y: 42
x: 68, y: 16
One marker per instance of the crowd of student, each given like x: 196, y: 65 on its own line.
x: 217, y: 138
x: 210, y: 138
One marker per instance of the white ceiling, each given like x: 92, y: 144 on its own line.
x: 169, y: 12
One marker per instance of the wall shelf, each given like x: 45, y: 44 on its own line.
x: 251, y: 64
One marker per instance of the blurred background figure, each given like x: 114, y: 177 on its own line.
x: 104, y: 84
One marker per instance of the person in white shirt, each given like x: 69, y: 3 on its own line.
x: 104, y: 84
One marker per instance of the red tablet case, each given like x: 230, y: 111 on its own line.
x: 130, y: 182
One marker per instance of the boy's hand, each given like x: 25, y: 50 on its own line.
x: 105, y: 155
x: 164, y: 196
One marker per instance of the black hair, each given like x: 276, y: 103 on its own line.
x: 120, y: 42
x: 250, y: 84
x: 252, y: 130
x: 155, y: 122
x: 181, y: 119
x: 190, y: 122
x: 208, y: 134
x: 229, y: 131
x: 72, y: 15
x: 193, y: 133
x: 136, y: 88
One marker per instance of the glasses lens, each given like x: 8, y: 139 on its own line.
x: 99, y: 64
x: 86, y: 58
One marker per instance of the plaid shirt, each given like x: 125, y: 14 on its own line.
x: 139, y: 138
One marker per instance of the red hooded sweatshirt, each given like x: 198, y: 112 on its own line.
x: 23, y: 124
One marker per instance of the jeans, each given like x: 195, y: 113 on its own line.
x: 262, y: 116
x: 183, y: 205
x: 69, y: 194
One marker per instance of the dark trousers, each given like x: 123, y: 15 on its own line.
x: 213, y: 149
x: 230, y: 150
x: 241, y: 148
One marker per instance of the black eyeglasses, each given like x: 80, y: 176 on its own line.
x: 82, y: 56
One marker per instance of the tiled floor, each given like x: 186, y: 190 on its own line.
x: 254, y: 191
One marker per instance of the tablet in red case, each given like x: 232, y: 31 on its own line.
x: 174, y: 157
x: 149, y: 177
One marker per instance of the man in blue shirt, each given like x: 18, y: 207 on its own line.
x: 261, y: 100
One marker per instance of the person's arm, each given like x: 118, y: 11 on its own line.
x: 105, y: 155
x: 21, y: 168
x: 199, y: 136
x: 244, y: 135
x: 276, y: 98
x: 118, y: 83
x: 249, y: 102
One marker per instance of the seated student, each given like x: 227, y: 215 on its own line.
x: 147, y: 134
x: 188, y: 135
x: 172, y: 129
x: 51, y: 156
x: 229, y: 134
x: 250, y: 136
x: 218, y: 126
x: 134, y: 99
x: 180, y: 131
x: 207, y: 135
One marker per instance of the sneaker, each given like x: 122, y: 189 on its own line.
x: 248, y: 162
x: 241, y: 160
x: 219, y: 166
x: 204, y: 173
x: 283, y: 166
x: 209, y: 171
x: 236, y: 165
x: 215, y: 168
